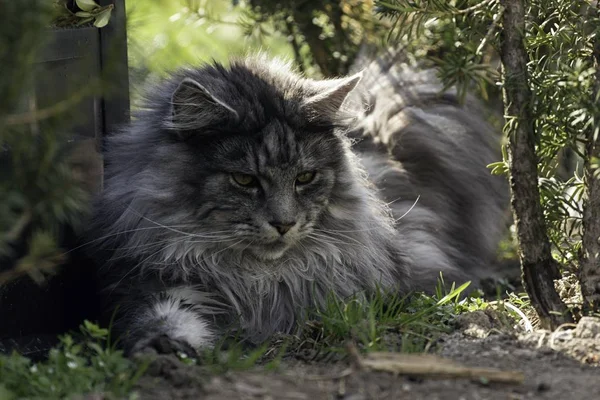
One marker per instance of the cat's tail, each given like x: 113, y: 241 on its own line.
x: 427, y: 153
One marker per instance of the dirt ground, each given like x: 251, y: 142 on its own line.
x: 560, y: 365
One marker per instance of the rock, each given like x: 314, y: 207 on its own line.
x: 475, y: 324
x: 588, y: 328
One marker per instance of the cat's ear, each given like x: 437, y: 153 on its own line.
x: 330, y: 96
x: 194, y: 107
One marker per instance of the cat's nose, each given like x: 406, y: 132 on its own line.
x: 282, y: 227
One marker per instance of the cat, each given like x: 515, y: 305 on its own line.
x: 241, y: 195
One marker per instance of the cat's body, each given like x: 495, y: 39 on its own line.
x: 235, y: 198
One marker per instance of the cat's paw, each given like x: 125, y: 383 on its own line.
x: 163, y: 344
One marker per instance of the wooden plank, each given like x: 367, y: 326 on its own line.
x: 67, y: 65
x: 113, y: 48
x: 66, y: 44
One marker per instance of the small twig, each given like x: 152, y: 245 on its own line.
x: 490, y: 31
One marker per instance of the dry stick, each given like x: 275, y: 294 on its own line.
x: 428, y: 365
x: 589, y: 269
x: 538, y: 267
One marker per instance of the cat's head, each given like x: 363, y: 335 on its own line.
x: 250, y: 156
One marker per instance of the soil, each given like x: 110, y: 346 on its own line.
x: 559, y: 365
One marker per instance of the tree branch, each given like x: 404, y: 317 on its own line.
x: 538, y: 267
x: 589, y: 268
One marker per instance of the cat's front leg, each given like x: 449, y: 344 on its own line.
x: 167, y: 322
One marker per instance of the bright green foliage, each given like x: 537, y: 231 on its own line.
x: 88, y: 365
x: 164, y: 35
x: 322, y: 37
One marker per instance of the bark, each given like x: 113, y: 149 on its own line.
x: 589, y: 268
x: 539, y: 269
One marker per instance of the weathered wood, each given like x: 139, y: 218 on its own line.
x: 65, y: 69
x: 539, y: 269
x: 113, y: 46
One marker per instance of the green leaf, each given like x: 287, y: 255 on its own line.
x: 84, y: 14
x: 87, y: 5
x: 103, y: 18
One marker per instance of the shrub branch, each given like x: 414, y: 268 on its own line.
x: 539, y: 269
x: 589, y: 269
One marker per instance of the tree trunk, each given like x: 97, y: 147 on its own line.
x: 589, y: 268
x: 538, y: 267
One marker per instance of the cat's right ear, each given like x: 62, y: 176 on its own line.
x: 194, y: 107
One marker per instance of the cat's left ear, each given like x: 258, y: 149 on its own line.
x: 331, y: 95
x: 194, y: 107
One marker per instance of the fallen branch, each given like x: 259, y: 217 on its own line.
x: 428, y: 366
x: 432, y: 366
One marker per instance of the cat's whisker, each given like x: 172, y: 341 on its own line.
x: 165, y: 226
x: 377, y: 227
x: 393, y: 201
x: 125, y: 232
x: 227, y: 248
x: 327, y: 239
x: 250, y: 243
x: 325, y: 231
x: 409, y: 210
x: 115, y: 285
x: 226, y: 239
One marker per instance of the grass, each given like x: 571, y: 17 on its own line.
x: 385, y: 321
x: 379, y: 322
x: 87, y: 365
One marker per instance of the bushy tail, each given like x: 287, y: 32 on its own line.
x: 428, y: 154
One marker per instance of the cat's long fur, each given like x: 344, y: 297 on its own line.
x: 410, y: 199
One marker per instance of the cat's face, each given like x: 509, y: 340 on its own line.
x: 251, y: 169
x: 268, y: 190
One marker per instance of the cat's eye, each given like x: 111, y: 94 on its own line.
x: 244, y: 179
x: 305, y: 177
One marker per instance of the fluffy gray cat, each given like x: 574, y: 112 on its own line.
x: 243, y: 195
